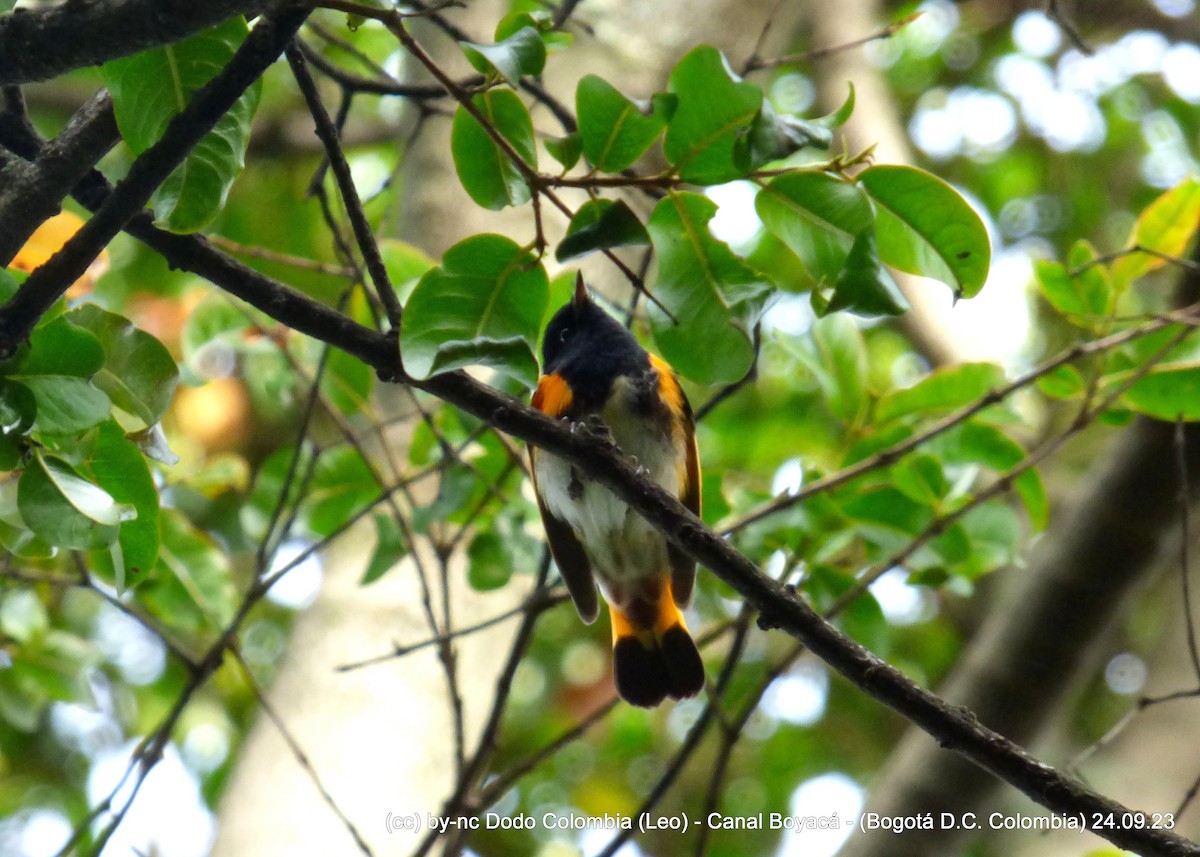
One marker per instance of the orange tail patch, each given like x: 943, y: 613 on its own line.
x: 651, y: 664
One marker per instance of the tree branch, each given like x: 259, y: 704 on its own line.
x: 46, y: 284
x: 328, y: 134
x: 38, y: 44
x: 33, y: 192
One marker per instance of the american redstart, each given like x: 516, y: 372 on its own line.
x: 596, y: 373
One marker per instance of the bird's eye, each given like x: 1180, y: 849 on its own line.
x: 564, y: 335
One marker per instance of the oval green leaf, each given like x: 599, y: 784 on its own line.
x: 715, y: 110
x: 482, y: 306
x: 925, y: 227
x: 613, y: 130
x: 1167, y: 392
x: 773, y: 136
x: 714, y: 296
x: 601, y: 224
x: 66, y: 510
x: 139, y: 374
x: 818, y: 216
x: 486, y: 171
x: 151, y: 87
x: 119, y: 468
x: 566, y: 150
x: 940, y: 392
x: 836, y: 354
x: 522, y: 53
x: 57, y: 369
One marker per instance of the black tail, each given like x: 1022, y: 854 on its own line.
x: 648, y: 668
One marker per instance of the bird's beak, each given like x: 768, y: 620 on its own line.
x: 581, y: 294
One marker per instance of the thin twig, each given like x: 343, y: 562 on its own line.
x: 1055, y: 14
x: 1185, y: 547
x: 328, y: 135
x: 755, y: 63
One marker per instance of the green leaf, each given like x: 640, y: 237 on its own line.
x: 920, y: 478
x: 1064, y: 382
x: 818, y: 216
x: 835, y: 353
x: 66, y: 510
x: 59, y: 348
x: 519, y: 54
x: 941, y: 391
x: 888, y: 507
x: 15, y: 534
x: 773, y: 136
x: 994, y: 533
x: 405, y: 265
x: 925, y: 227
x: 214, y: 319
x: 119, y: 467
x: 343, y: 484
x: 191, y: 588
x: 389, y: 548
x: 486, y: 171
x: 864, y: 286
x: 1168, y: 391
x: 347, y: 382
x: 979, y: 443
x: 613, y: 130
x: 566, y: 150
x: 8, y: 284
x: 715, y: 110
x: 455, y: 488
x: 862, y: 619
x: 54, y: 369
x: 1085, y: 294
x: 714, y: 296
x: 1166, y: 226
x: 10, y: 451
x: 841, y: 116
x: 66, y: 405
x: 151, y: 87
x: 22, y: 616
x: 139, y: 374
x: 601, y: 224
x: 18, y: 407
x: 491, y: 566
x: 482, y: 306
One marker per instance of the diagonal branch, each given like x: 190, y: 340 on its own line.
x: 46, y: 284
x: 32, y: 193
x: 328, y: 133
x: 44, y: 43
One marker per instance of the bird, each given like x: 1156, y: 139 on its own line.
x: 595, y: 373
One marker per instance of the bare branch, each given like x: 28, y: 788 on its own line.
x: 38, y: 44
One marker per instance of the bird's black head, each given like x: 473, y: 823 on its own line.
x: 589, y: 348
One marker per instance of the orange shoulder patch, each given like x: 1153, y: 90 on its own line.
x: 668, y: 386
x: 553, y: 395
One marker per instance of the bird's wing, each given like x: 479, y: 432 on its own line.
x: 683, y: 567
x: 553, y: 398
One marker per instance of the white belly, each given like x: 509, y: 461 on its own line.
x: 620, y: 544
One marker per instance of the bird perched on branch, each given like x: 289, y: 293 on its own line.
x: 596, y: 373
